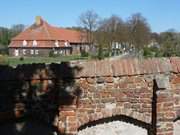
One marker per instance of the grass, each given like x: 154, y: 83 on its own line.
x: 14, y: 61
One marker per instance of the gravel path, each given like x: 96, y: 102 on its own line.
x: 114, y: 128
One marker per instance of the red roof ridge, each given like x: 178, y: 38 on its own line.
x: 45, y: 24
x: 42, y: 30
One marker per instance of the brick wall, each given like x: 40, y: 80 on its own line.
x: 85, y: 92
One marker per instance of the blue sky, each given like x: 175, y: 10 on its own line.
x: 161, y: 14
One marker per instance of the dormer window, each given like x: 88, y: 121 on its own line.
x: 34, y: 43
x: 66, y: 44
x: 56, y: 44
x: 24, y: 43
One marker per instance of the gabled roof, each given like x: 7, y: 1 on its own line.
x: 43, y: 31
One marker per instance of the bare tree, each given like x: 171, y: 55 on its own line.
x: 4, y: 36
x: 112, y: 30
x: 139, y: 31
x: 170, y: 43
x: 112, y: 26
x: 16, y: 29
x: 134, y: 33
x: 89, y: 21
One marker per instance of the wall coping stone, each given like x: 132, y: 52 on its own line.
x: 94, y: 68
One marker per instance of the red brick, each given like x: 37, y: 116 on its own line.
x: 174, y: 63
x: 108, y: 79
x: 176, y: 80
x: 103, y: 68
x: 68, y: 113
x: 91, y: 80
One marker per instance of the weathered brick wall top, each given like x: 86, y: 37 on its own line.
x: 123, y: 67
x: 118, y: 67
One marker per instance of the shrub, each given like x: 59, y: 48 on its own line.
x: 84, y: 54
x: 3, y: 60
x: 148, y: 52
x: 4, y: 51
x: 51, y: 53
x: 152, y: 52
x: 21, y: 58
x: 94, y: 56
x: 106, y: 54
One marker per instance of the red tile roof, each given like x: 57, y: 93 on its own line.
x: 45, y: 32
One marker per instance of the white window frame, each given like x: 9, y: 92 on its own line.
x: 34, y: 43
x: 32, y: 52
x: 61, y: 52
x: 36, y: 52
x: 24, y: 51
x: 55, y: 52
x: 56, y: 43
x: 117, y: 45
x: 16, y: 52
x: 66, y: 44
x: 24, y: 43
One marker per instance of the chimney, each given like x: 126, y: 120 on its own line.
x: 38, y: 20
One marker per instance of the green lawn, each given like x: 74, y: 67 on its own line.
x: 14, y: 61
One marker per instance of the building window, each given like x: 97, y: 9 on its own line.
x: 117, y: 45
x: 120, y: 46
x: 56, y: 44
x: 24, y: 51
x: 55, y: 52
x: 34, y: 43
x: 66, y: 44
x: 16, y: 52
x: 32, y: 52
x: 61, y: 52
x: 24, y: 43
x: 36, y: 52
